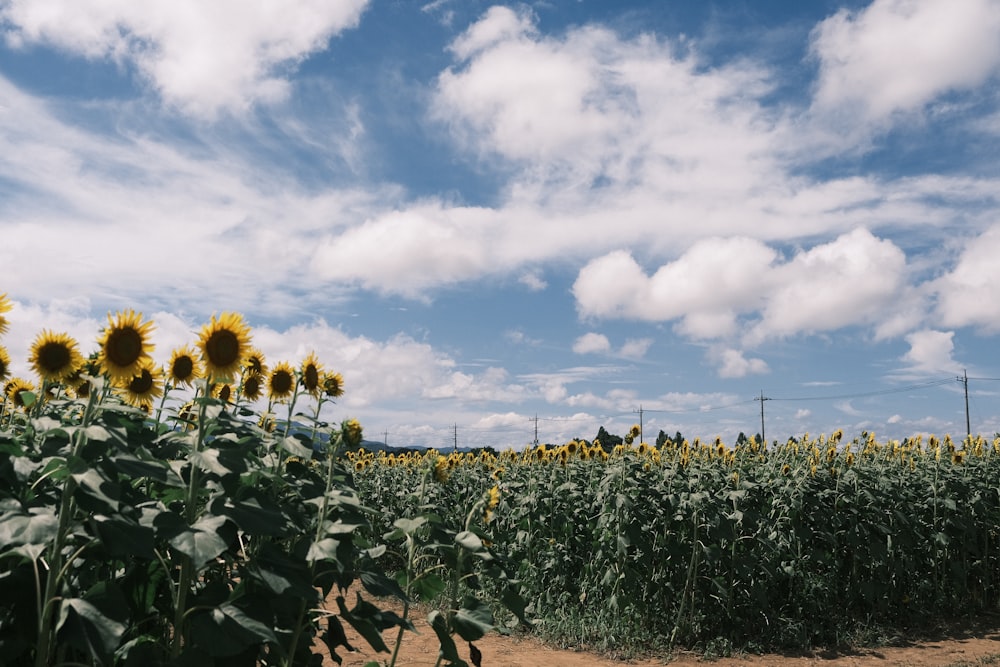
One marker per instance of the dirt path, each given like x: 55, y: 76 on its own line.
x: 970, y: 646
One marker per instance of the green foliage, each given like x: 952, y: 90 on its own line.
x: 706, y: 546
x: 126, y: 540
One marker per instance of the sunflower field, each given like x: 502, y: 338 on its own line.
x: 201, y: 513
x: 205, y: 513
x: 815, y: 541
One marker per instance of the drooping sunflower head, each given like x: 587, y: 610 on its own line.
x: 125, y: 345
x: 223, y: 391
x: 5, y: 307
x: 352, y: 431
x: 333, y: 384
x: 143, y: 387
x: 224, y: 343
x: 184, y: 367
x: 254, y: 363
x: 54, y: 356
x: 253, y: 386
x: 281, y: 383
x: 16, y: 389
x: 312, y: 374
x: 4, y: 363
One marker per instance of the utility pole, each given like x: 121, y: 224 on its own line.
x: 385, y: 438
x: 640, y: 422
x: 536, y: 428
x: 456, y: 438
x: 965, y: 381
x: 762, y: 399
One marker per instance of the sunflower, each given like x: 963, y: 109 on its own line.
x: 224, y: 343
x: 281, y: 383
x: 15, y: 390
x: 312, y: 374
x: 223, y: 392
x: 184, y: 366
x: 125, y: 345
x: 54, y: 356
x: 254, y: 363
x: 4, y: 363
x: 5, y: 307
x: 144, y: 386
x: 253, y: 386
x: 351, y: 429
x: 333, y: 384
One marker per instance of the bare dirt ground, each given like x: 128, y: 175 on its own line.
x: 965, y: 645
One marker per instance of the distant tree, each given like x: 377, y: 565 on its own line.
x: 661, y: 439
x: 741, y: 439
x: 608, y: 441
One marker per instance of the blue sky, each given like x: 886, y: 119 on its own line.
x: 483, y: 212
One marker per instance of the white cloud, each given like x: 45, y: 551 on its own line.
x: 803, y: 413
x: 898, y: 55
x: 533, y: 281
x: 930, y: 352
x: 200, y: 56
x: 706, y: 287
x: 733, y: 364
x: 968, y: 294
x: 635, y: 348
x: 851, y: 280
x: 894, y: 419
x: 591, y: 342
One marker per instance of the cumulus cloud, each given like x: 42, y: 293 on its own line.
x: 850, y: 280
x: 897, y: 55
x: 930, y: 351
x: 200, y: 56
x: 845, y: 282
x: 590, y: 343
x: 967, y: 295
x: 734, y: 364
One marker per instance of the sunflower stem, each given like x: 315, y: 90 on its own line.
x: 53, y: 580
x: 190, y: 513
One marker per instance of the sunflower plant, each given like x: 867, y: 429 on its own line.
x: 187, y: 535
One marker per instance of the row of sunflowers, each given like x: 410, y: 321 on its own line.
x: 223, y: 356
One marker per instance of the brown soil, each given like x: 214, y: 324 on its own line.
x: 966, y: 645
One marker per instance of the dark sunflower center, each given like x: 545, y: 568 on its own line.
x: 281, y: 382
x: 54, y: 357
x: 183, y: 367
x: 251, y: 387
x: 123, y: 347
x: 222, y: 348
x: 142, y: 383
x: 311, y: 377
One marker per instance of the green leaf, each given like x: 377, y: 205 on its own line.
x: 335, y: 637
x: 360, y: 619
x: 469, y: 540
x: 473, y: 620
x: 201, y: 543
x: 409, y: 526
x: 84, y: 627
x: 325, y: 549
x: 122, y: 536
x: 208, y: 460
x: 292, y: 445
x: 428, y: 587
x: 440, y: 626
x: 381, y: 586
x: 95, y: 491
x: 159, y: 471
x: 251, y: 516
